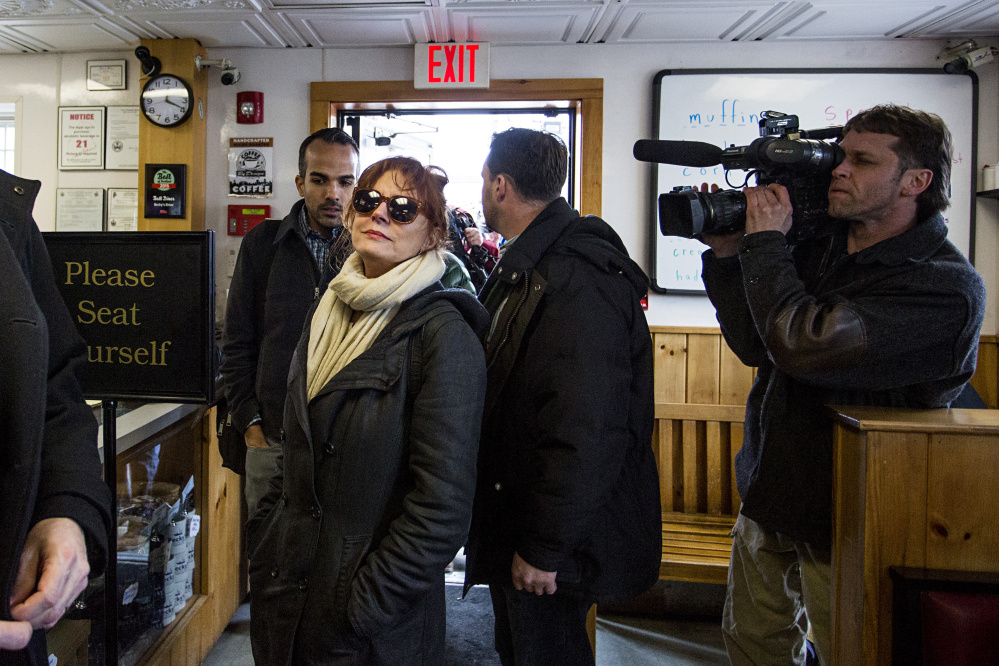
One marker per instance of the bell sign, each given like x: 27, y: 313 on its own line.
x: 451, y: 65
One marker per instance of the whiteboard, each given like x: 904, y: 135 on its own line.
x: 722, y: 107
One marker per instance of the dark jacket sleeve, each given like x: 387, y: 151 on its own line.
x: 723, y: 283
x: 581, y: 383
x: 444, y: 439
x: 890, y: 336
x: 241, y: 337
x: 70, y: 484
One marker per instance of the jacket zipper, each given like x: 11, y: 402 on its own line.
x: 509, y: 322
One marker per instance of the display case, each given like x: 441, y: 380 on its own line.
x: 177, y: 563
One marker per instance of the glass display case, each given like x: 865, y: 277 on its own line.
x: 164, y: 464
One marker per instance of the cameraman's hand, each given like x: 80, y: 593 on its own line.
x: 723, y: 245
x: 768, y: 209
x: 473, y: 236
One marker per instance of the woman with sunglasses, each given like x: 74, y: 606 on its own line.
x: 373, y: 496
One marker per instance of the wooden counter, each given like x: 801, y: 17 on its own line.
x: 910, y: 488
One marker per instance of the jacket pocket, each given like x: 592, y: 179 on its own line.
x: 351, y: 556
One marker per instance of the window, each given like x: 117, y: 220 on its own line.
x: 7, y: 120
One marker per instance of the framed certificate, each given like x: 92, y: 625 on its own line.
x: 79, y: 209
x: 81, y: 137
x: 106, y: 75
x: 122, y: 145
x: 123, y: 209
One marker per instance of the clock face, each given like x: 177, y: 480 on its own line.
x: 167, y: 100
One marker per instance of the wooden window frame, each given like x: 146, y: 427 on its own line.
x: 329, y: 97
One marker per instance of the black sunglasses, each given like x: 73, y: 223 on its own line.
x: 401, y: 209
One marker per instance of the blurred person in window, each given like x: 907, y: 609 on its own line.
x: 56, y: 509
x: 373, y: 493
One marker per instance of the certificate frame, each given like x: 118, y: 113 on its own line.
x: 79, y: 209
x: 107, y: 74
x: 118, y: 199
x: 81, y: 137
x: 121, y: 150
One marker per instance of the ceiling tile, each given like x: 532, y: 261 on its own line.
x: 681, y: 21
x: 515, y: 23
x: 360, y: 28
x: 858, y: 20
x: 215, y: 29
x: 83, y: 34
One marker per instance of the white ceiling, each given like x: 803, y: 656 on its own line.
x: 31, y: 26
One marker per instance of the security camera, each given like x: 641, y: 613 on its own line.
x: 149, y: 63
x: 965, y: 56
x: 230, y: 75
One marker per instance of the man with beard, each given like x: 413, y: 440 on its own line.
x: 876, y: 308
x: 282, y: 267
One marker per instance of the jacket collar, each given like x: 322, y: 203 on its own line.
x: 290, y: 223
x: 534, y: 241
x: 917, y: 244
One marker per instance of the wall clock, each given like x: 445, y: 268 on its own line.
x: 167, y: 100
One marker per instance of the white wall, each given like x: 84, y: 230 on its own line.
x: 627, y: 72
x: 283, y: 75
x: 43, y: 83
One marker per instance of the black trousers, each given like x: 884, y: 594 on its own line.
x: 533, y: 630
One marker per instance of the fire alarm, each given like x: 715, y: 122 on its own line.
x: 249, y: 107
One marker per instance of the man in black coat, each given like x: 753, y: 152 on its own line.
x: 876, y: 308
x: 56, y: 510
x: 567, y: 509
x: 282, y: 266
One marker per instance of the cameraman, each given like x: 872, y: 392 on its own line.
x: 878, y: 308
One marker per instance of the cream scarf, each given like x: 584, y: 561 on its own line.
x: 333, y: 340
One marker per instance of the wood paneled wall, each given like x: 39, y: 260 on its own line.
x: 695, y: 366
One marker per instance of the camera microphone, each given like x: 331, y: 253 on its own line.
x: 682, y: 153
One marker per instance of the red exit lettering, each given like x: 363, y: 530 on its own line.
x: 455, y: 56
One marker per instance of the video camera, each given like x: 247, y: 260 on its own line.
x: 800, y: 160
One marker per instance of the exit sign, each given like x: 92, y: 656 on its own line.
x: 451, y: 65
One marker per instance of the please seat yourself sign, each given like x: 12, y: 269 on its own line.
x: 451, y: 65
x: 144, y: 303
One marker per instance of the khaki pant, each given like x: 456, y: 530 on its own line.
x: 777, y: 588
x: 260, y: 467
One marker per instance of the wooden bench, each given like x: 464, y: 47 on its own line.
x: 695, y: 446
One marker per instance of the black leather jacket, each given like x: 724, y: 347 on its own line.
x: 894, y: 325
x: 567, y: 477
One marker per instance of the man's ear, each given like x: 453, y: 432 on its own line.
x: 300, y: 184
x: 915, y: 181
x: 501, y: 187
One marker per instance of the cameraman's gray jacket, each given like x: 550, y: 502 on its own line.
x: 894, y: 325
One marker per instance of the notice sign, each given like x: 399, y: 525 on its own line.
x: 81, y: 137
x: 166, y: 189
x: 251, y: 167
x: 144, y: 302
x: 451, y: 65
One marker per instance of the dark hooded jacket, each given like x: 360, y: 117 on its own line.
x: 894, y: 325
x: 567, y: 477
x: 373, y: 495
x: 48, y: 435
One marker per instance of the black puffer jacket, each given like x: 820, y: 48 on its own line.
x: 373, y: 498
x: 567, y: 478
x: 894, y: 325
x: 48, y: 435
